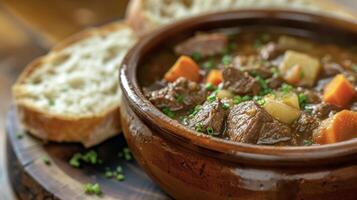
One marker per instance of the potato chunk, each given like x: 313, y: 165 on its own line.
x: 310, y: 67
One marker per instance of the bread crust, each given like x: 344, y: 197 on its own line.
x: 89, y: 130
x: 138, y: 20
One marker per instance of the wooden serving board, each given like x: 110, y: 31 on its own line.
x: 32, y: 178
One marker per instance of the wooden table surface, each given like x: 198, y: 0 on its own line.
x: 29, y: 28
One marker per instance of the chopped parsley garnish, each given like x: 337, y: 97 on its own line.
x: 168, y: 112
x: 46, y: 161
x: 208, y: 64
x: 120, y: 177
x: 259, y: 99
x: 195, y: 111
x: 199, y: 127
x: 119, y: 169
x: 247, y: 98
x: 225, y: 106
x: 180, y: 98
x: 91, y: 157
x: 237, y: 99
x: 212, y: 97
x: 196, y: 56
x: 127, y: 154
x: 302, y: 100
x: 92, y: 189
x: 307, y: 142
x: 209, y: 86
x: 109, y: 174
x: 286, y: 88
x: 264, y: 85
x: 227, y: 59
x: 210, y: 131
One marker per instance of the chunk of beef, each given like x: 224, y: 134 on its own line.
x: 178, y: 95
x: 211, y: 114
x: 275, y: 82
x: 239, y: 82
x: 324, y: 110
x: 204, y: 44
x: 253, y: 65
x: 249, y: 123
x: 304, y: 127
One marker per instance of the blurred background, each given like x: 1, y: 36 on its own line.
x: 29, y: 28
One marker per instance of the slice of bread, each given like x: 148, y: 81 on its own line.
x: 145, y: 15
x: 72, y: 93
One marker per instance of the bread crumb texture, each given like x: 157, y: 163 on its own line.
x: 80, y: 79
x: 178, y: 9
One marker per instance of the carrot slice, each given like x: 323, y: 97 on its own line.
x: 342, y: 126
x: 184, y: 67
x: 214, y: 77
x: 339, y: 91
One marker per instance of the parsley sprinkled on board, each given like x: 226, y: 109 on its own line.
x: 91, y: 157
x: 92, y: 189
x: 46, y: 161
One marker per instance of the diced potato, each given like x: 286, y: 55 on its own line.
x: 292, y: 43
x: 310, y: 67
x: 281, y: 111
x: 224, y: 94
x: 290, y: 99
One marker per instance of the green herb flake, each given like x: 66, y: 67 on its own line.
x: 227, y: 59
x: 196, y: 56
x: 92, y: 189
x: 120, y: 177
x: 302, y: 100
x: 209, y: 87
x: 275, y: 72
x: 195, y: 111
x: 208, y: 64
x: 237, y: 99
x: 180, y: 98
x: 119, y: 169
x: 199, y: 127
x: 46, y: 161
x: 212, y: 97
x: 286, y: 88
x: 247, y: 98
x: 210, y: 131
x: 168, y: 112
x: 75, y: 160
x: 259, y: 99
x: 109, y: 174
x: 225, y: 106
x: 90, y: 157
x: 127, y: 154
x: 264, y: 86
x: 307, y: 142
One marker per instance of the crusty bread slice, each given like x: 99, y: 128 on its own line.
x: 72, y: 93
x: 146, y: 15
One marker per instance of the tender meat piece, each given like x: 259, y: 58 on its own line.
x: 305, y: 125
x: 249, y: 123
x: 178, y: 95
x: 324, y: 110
x: 270, y: 51
x: 211, y: 114
x: 331, y: 69
x: 275, y: 82
x: 239, y: 82
x: 205, y: 44
x: 253, y: 65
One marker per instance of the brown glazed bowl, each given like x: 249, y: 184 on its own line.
x: 191, y: 166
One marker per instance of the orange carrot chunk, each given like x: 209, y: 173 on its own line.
x: 214, y: 77
x: 339, y: 91
x: 342, y: 126
x: 184, y: 67
x: 294, y: 75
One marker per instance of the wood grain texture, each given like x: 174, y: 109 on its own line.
x: 33, y: 179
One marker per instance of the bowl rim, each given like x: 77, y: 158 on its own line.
x: 226, y: 149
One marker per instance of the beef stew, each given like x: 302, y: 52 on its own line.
x: 258, y: 88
